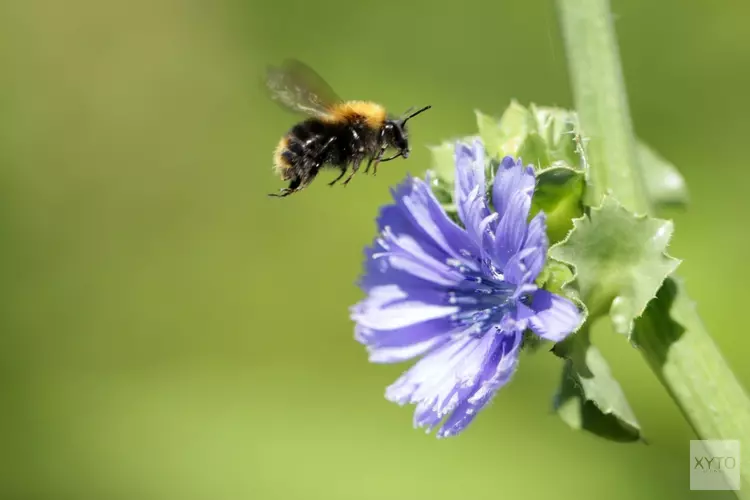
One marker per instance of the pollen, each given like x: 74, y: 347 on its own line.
x: 280, y: 164
x: 372, y: 113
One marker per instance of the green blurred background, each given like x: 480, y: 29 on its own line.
x: 170, y: 332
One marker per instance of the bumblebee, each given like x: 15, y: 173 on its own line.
x: 336, y: 133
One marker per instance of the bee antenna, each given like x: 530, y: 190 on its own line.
x: 415, y: 113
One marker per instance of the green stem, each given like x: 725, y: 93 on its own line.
x: 670, y: 334
x: 676, y: 345
x: 601, y: 102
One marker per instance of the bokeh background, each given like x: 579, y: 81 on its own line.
x: 170, y: 332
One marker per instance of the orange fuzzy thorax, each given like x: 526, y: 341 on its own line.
x: 372, y: 113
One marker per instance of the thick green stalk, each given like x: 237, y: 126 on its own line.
x: 670, y: 334
x: 601, y: 102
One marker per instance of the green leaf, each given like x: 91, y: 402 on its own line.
x: 504, y: 136
x: 559, y: 193
x: 589, y: 397
x: 555, y: 276
x: 620, y: 261
x: 534, y: 151
x: 443, y: 164
x: 541, y: 136
x: 490, y: 133
x: 665, y: 185
x: 560, y: 131
x: 531, y: 342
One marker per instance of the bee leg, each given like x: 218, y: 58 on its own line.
x: 378, y: 156
x: 334, y: 181
x: 375, y: 167
x: 355, y: 167
x: 369, y: 162
x: 358, y: 148
x: 282, y: 193
x: 305, y: 175
x: 294, y: 186
x: 375, y: 162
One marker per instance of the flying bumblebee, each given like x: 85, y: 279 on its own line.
x: 337, y: 133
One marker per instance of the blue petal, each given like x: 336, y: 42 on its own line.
x: 407, y: 342
x: 470, y: 191
x: 428, y: 220
x: 551, y: 316
x: 536, y: 239
x: 516, y: 271
x: 498, y: 370
x: 404, y: 253
x: 470, y: 172
x: 459, y: 377
x: 404, y: 353
x: 419, y: 244
x: 379, y: 272
x: 511, y: 177
x: 388, y: 307
x: 424, y: 381
x: 511, y: 231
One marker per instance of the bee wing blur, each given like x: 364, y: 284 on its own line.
x: 298, y: 88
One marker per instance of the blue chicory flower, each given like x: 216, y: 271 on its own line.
x: 458, y: 297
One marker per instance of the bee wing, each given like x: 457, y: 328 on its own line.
x: 297, y: 87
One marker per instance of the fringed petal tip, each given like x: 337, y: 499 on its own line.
x: 457, y: 380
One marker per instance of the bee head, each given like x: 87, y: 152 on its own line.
x: 396, y: 135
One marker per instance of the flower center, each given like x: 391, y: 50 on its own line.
x: 483, y: 301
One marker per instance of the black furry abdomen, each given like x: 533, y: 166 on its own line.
x: 315, y: 144
x: 322, y: 144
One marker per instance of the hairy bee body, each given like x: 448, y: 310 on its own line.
x: 336, y: 135
x: 350, y: 134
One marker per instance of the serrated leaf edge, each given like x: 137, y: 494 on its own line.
x: 576, y: 224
